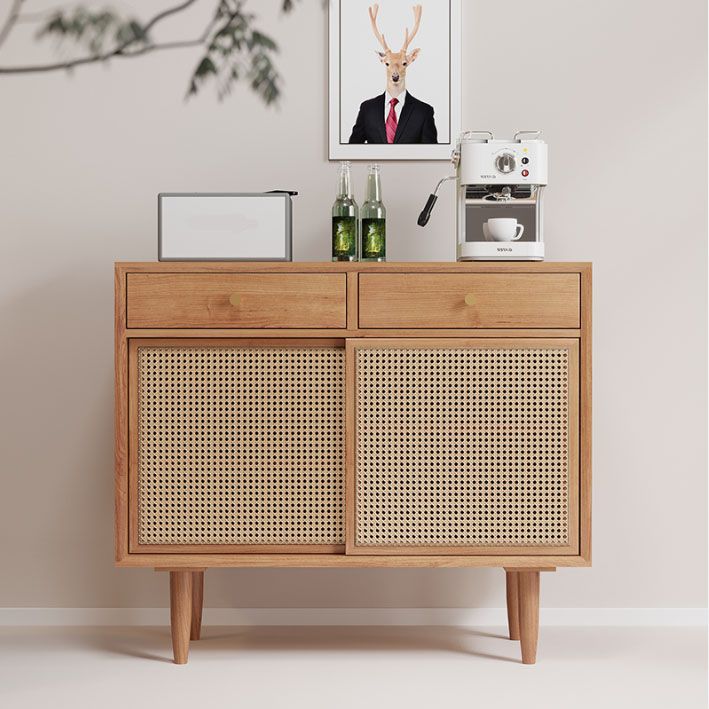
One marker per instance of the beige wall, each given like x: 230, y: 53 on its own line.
x: 620, y: 89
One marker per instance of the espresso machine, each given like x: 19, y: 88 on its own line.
x: 499, y: 185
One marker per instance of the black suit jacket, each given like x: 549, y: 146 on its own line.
x: 416, y: 122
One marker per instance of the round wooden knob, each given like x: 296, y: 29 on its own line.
x: 235, y: 299
x: 470, y: 299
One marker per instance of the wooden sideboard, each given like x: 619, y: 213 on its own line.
x: 353, y: 415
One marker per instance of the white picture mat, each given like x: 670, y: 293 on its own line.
x: 223, y: 227
x: 356, y: 74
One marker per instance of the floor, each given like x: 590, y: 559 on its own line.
x: 364, y: 667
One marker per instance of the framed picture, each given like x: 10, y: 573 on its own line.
x: 394, y: 79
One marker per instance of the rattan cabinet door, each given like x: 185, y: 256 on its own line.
x: 463, y: 446
x: 237, y: 445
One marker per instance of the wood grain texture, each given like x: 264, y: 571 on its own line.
x: 354, y: 267
x: 180, y: 614
x: 424, y: 300
x: 529, y: 615
x: 348, y: 327
x: 197, y: 604
x: 352, y: 300
x: 574, y: 446
x: 264, y: 300
x: 137, y: 548
x: 353, y: 332
x: 121, y: 396
x: 585, y: 414
x: 350, y: 445
x: 133, y: 445
x: 343, y: 561
x: 512, y: 593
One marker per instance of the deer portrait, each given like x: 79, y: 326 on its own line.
x: 396, y: 62
x: 395, y: 116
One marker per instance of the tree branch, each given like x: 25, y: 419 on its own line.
x: 165, y: 45
x: 166, y: 13
x: 233, y: 48
x: 11, y: 19
x: 118, y: 51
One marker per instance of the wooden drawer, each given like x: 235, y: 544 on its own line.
x: 485, y: 300
x: 238, y: 300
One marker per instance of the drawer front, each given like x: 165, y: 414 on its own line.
x: 484, y: 300
x: 238, y: 300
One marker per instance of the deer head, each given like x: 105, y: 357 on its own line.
x: 396, y: 62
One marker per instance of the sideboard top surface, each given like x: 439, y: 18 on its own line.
x: 357, y: 266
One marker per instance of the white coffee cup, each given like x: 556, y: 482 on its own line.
x: 502, y: 229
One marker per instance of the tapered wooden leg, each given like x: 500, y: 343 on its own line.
x: 180, y: 613
x: 512, y: 578
x: 528, y: 614
x: 197, y: 601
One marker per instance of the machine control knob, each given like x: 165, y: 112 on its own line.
x: 506, y: 163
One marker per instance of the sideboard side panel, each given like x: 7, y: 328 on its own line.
x: 585, y: 412
x: 120, y: 418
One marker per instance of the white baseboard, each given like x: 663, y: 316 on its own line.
x: 671, y: 617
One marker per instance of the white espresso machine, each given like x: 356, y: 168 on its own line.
x: 499, y: 186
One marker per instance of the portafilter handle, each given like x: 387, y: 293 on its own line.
x: 431, y: 201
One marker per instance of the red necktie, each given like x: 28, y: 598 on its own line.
x: 391, y: 121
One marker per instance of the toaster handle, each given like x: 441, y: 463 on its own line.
x: 426, y: 212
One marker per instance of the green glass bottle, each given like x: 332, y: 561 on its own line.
x: 345, y: 219
x: 374, y: 216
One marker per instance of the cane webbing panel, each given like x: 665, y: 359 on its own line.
x: 241, y: 445
x: 462, y: 447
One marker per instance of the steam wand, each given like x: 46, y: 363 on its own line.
x: 426, y: 212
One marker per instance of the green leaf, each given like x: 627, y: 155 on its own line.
x: 259, y: 39
x: 237, y: 50
x: 206, y: 66
x: 91, y: 29
x: 130, y: 33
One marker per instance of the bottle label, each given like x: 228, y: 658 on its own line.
x: 373, y: 238
x: 344, y: 236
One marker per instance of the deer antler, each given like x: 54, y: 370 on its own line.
x: 417, y: 21
x: 373, y: 11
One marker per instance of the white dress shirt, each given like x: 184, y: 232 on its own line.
x: 397, y: 109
